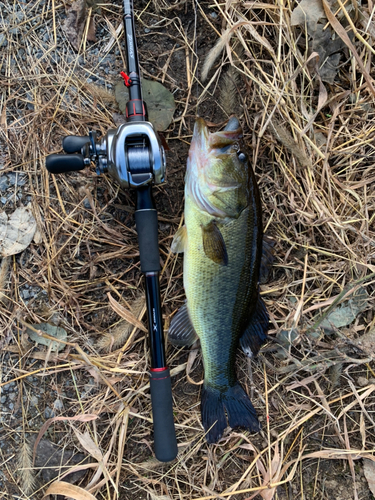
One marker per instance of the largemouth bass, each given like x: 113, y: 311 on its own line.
x: 222, y: 245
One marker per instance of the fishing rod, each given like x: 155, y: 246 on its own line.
x: 133, y: 155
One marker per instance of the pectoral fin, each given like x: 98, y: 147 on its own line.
x: 214, y: 244
x: 181, y: 331
x: 256, y: 332
x: 179, y: 240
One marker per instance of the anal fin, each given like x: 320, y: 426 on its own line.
x: 181, y: 331
x: 256, y: 332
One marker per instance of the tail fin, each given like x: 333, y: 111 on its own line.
x: 235, y: 401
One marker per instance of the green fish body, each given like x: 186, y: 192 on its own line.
x: 222, y: 245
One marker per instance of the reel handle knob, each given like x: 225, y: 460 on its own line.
x: 74, y: 143
x: 61, y: 164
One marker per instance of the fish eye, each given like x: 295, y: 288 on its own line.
x: 241, y: 156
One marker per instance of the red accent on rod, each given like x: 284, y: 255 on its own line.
x: 126, y: 78
x: 159, y: 369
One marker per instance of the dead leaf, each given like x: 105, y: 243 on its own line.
x: 340, y: 30
x: 47, y: 423
x: 329, y: 50
x: 159, y: 101
x: 91, y: 35
x: 310, y: 15
x: 307, y: 12
x: 271, y: 475
x: 286, y: 339
x: 369, y: 470
x: 88, y: 444
x: 17, y: 231
x: 68, y: 490
x: 53, y: 331
x: 347, y: 312
x: 124, y: 313
x: 75, y: 23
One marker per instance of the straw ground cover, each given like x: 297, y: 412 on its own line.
x: 312, y: 144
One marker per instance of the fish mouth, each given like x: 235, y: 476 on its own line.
x: 200, y: 127
x: 203, y: 140
x: 200, y: 136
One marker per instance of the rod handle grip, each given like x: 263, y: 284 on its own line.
x: 165, y: 443
x: 147, y: 228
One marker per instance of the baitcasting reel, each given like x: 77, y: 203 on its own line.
x: 132, y: 154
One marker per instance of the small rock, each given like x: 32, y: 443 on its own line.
x: 48, y: 413
x: 362, y: 381
x: 51, y: 459
x: 58, y: 404
x: 15, y: 178
x: 3, y: 40
x: 34, y: 401
x: 86, y: 203
x: 4, y: 181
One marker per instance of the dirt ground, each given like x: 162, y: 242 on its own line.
x: 311, y: 143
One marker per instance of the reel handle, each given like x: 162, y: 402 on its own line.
x: 61, y: 164
x: 74, y: 143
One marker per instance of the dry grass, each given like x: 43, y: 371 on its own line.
x: 315, y: 165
